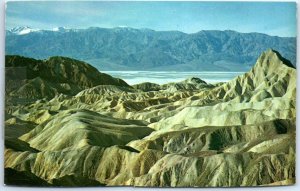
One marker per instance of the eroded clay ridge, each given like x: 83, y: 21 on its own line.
x: 76, y: 126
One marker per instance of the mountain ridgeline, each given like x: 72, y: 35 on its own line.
x: 145, y: 49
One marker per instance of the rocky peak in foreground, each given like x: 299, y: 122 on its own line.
x: 271, y: 63
x: 271, y: 76
x: 274, y: 58
x: 271, y: 83
x: 273, y: 73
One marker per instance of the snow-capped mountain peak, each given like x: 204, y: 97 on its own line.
x: 26, y: 30
x: 23, y: 30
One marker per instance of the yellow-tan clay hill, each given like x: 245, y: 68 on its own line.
x: 95, y: 130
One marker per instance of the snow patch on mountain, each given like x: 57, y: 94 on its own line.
x: 22, y: 30
x: 60, y: 29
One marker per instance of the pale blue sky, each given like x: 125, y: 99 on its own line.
x: 271, y: 18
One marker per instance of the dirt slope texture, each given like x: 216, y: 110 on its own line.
x: 186, y: 134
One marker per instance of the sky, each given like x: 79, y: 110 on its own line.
x: 273, y: 18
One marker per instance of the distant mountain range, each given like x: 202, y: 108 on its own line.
x: 126, y: 48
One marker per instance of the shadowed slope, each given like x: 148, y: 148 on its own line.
x: 30, y: 78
